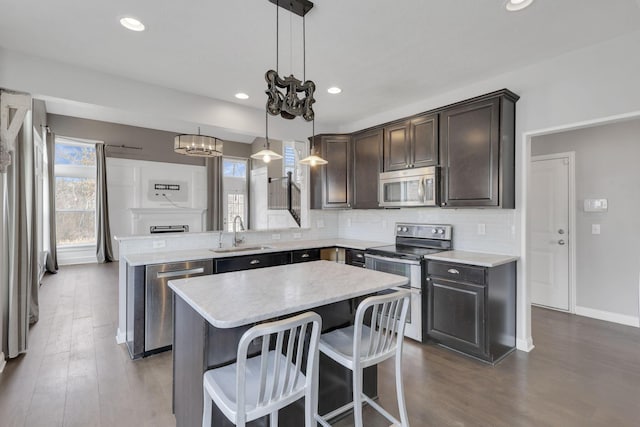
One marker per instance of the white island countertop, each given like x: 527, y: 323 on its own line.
x: 161, y: 256
x: 240, y: 298
x: 472, y: 258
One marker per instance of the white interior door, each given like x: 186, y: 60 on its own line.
x: 550, y: 234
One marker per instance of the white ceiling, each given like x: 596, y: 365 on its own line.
x: 383, y: 54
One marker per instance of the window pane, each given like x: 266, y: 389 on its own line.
x: 75, y: 193
x: 234, y: 168
x: 235, y: 206
x: 81, y: 155
x: 75, y: 227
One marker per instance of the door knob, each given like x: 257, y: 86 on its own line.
x: 561, y: 242
x: 561, y: 231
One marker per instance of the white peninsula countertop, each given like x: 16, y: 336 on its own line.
x: 240, y: 298
x: 164, y: 256
x: 472, y: 258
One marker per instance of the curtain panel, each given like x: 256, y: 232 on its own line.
x: 104, y: 251
x: 49, y: 240
x: 18, y: 245
x: 214, y: 194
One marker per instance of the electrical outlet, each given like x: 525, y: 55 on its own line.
x: 482, y: 229
x: 297, y: 235
x: 159, y: 244
x: 320, y: 223
x: 595, y: 228
x: 275, y: 236
x: 348, y: 222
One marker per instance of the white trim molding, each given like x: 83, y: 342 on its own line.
x: 608, y: 316
x: 121, y: 337
x: 3, y: 362
x: 525, y: 344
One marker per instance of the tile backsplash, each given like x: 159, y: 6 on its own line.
x: 483, y: 230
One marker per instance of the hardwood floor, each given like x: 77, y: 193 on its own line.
x: 583, y: 372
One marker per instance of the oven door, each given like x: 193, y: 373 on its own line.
x: 412, y: 271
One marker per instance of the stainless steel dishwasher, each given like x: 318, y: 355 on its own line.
x: 158, y: 317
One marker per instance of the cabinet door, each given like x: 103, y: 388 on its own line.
x: 336, y: 174
x: 396, y: 146
x: 470, y: 153
x: 457, y: 315
x: 367, y: 164
x: 305, y: 255
x: 424, y: 141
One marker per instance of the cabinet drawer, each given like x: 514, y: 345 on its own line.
x: 305, y: 255
x: 251, y: 261
x: 457, y: 272
x: 354, y: 257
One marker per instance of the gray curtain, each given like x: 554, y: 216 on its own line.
x: 214, y: 194
x: 104, y: 251
x: 52, y: 253
x: 18, y: 246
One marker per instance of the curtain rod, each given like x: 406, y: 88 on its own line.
x: 130, y: 147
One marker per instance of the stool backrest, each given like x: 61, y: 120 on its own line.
x: 279, y: 380
x: 388, y: 317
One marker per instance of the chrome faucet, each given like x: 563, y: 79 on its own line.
x: 237, y: 240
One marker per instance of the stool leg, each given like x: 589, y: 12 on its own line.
x: 357, y: 396
x: 402, y: 407
x: 273, y: 419
x: 207, y: 407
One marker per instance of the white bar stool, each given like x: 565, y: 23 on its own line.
x: 254, y: 387
x: 370, y: 346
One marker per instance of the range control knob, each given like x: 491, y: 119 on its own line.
x: 405, y: 229
x: 434, y: 231
x: 440, y: 231
x: 399, y: 228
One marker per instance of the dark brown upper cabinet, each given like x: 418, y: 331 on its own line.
x: 367, y: 165
x: 412, y: 143
x: 331, y: 183
x: 477, y: 152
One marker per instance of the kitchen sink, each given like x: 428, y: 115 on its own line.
x: 241, y: 249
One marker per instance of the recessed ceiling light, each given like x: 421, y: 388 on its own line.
x: 516, y: 5
x: 334, y: 90
x: 131, y: 24
x: 242, y: 95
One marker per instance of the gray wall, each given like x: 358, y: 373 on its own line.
x: 156, y: 145
x: 607, y: 166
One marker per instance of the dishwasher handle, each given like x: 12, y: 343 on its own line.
x: 176, y: 273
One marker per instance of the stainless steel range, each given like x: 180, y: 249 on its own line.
x: 407, y: 258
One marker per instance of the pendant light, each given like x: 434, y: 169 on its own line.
x: 266, y: 154
x: 313, y: 159
x: 286, y: 103
x: 197, y: 145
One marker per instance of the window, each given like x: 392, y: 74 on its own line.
x: 235, y: 188
x: 75, y: 172
x: 292, y: 153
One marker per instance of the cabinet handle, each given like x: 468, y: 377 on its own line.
x: 443, y: 204
x: 254, y: 261
x: 453, y: 271
x: 304, y: 256
x: 359, y: 255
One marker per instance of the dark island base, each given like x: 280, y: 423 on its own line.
x: 198, y: 346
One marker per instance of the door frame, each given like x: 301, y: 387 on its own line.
x: 571, y: 157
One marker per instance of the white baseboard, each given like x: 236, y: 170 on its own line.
x: 608, y: 316
x: 525, y: 344
x: 3, y: 362
x: 121, y: 337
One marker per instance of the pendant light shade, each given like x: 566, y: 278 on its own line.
x: 313, y: 160
x: 197, y: 145
x: 266, y: 154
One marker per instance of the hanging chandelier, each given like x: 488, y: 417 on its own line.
x: 197, y: 145
x: 283, y: 92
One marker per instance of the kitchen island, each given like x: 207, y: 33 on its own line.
x: 212, y: 312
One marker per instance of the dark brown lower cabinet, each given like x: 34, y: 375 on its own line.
x: 472, y: 309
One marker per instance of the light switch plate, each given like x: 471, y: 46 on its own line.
x: 595, y: 205
x: 320, y: 223
x: 275, y: 236
x: 482, y: 229
x: 595, y: 228
x: 297, y: 235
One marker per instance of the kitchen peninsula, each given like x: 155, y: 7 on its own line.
x: 212, y: 312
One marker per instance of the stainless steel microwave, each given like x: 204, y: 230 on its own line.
x: 409, y: 187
